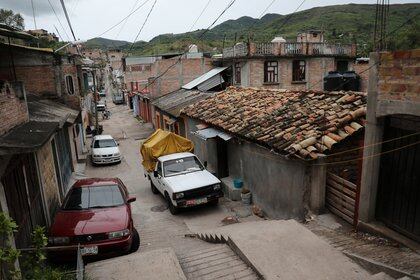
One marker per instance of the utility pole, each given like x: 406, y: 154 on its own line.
x: 96, y: 102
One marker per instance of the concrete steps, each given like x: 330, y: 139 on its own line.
x: 217, y: 261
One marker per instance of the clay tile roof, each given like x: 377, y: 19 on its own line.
x: 304, y: 123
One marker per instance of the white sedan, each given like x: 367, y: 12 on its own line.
x: 105, y: 150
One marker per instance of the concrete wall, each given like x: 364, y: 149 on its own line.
x: 281, y: 187
x: 278, y: 185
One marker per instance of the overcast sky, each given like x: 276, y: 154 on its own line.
x: 90, y: 18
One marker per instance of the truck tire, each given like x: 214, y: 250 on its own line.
x: 172, y: 208
x: 214, y: 202
x: 154, y: 189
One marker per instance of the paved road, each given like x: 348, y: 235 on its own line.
x: 157, y: 227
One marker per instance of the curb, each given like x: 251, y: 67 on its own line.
x: 375, y: 267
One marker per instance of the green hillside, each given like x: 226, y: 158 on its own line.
x: 103, y: 43
x: 352, y: 23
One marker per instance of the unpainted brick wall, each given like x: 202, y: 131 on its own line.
x: 13, y: 111
x: 38, y: 79
x: 316, y: 69
x: 399, y: 76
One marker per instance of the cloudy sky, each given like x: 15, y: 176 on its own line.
x: 90, y: 18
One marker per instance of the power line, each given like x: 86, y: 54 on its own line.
x: 141, y: 29
x: 68, y: 19
x: 201, y: 36
x: 126, y: 17
x: 33, y: 12
x: 58, y: 32
x: 59, y: 21
x: 199, y: 16
x: 125, y: 21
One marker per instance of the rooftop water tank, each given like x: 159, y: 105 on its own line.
x: 278, y: 39
x: 333, y: 81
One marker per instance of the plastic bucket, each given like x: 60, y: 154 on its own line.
x: 246, y: 198
x: 238, y: 183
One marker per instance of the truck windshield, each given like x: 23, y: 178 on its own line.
x: 181, y: 166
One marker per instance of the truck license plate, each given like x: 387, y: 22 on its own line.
x: 93, y: 250
x: 197, y: 201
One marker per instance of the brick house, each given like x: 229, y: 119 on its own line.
x: 299, y: 65
x: 284, y: 145
x: 168, y: 107
x: 390, y: 191
x: 141, y: 71
x: 40, y: 135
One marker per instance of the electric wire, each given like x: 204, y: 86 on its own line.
x: 33, y: 13
x: 199, y: 37
x: 144, y: 23
x: 122, y: 20
x: 68, y: 19
x: 59, y: 21
x: 199, y: 16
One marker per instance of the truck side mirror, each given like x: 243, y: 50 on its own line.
x: 205, y: 164
x: 155, y: 173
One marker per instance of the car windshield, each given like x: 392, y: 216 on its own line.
x: 182, y: 165
x: 106, y: 143
x: 94, y: 197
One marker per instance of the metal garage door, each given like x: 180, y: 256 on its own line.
x: 398, y: 204
x: 64, y: 156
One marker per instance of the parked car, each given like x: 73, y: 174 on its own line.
x: 118, y: 98
x: 102, y: 93
x: 96, y: 214
x: 105, y: 150
x: 184, y: 182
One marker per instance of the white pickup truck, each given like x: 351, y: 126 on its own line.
x: 184, y: 181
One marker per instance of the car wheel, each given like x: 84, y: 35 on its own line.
x: 154, y: 189
x: 172, y: 208
x: 135, y: 244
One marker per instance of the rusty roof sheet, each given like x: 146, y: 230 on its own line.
x: 303, y: 123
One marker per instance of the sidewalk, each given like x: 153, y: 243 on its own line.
x: 161, y: 264
x: 372, y: 248
x: 286, y: 250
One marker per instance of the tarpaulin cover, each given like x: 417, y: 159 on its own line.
x: 162, y: 143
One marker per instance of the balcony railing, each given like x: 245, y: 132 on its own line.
x: 239, y: 50
x: 290, y: 49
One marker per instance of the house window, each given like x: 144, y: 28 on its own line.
x: 271, y: 69
x: 69, y: 85
x: 299, y: 70
x: 237, y: 73
x: 342, y: 66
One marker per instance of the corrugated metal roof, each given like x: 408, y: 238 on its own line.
x: 174, y: 102
x: 49, y: 111
x: 211, y: 83
x: 196, y: 82
x: 211, y: 132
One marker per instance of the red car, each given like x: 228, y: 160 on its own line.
x: 96, y: 214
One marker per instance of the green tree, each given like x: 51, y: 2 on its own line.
x: 11, y: 19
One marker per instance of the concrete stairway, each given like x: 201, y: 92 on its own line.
x: 215, y: 261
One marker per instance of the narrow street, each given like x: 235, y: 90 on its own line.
x: 156, y: 226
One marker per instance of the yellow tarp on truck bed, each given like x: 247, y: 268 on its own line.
x: 162, y: 143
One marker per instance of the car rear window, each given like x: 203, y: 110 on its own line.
x: 106, y: 143
x: 94, y: 197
